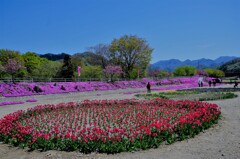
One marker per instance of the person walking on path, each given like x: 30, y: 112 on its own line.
x: 200, y: 82
x: 148, y: 87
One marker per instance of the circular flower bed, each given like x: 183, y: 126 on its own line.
x: 109, y: 126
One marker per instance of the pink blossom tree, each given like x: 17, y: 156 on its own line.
x: 201, y: 73
x: 154, y: 73
x: 12, y: 66
x: 112, y: 71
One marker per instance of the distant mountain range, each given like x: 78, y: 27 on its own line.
x: 170, y: 65
x: 53, y: 57
x: 88, y: 58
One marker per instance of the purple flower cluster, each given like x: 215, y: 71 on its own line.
x: 31, y: 100
x: 10, y: 103
x: 28, y: 89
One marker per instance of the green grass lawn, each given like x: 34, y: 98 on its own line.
x: 189, y: 95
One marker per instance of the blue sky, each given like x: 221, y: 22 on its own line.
x: 180, y: 29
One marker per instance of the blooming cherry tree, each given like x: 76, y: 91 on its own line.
x: 13, y: 66
x: 201, y: 73
x: 112, y: 70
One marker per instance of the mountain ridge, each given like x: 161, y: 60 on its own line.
x: 167, y: 65
x: 171, y: 64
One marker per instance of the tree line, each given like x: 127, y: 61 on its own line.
x: 126, y: 57
x: 187, y: 71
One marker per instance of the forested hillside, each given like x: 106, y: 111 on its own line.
x: 231, y: 68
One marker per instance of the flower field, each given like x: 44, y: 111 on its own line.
x: 109, y: 126
x: 43, y: 88
x: 17, y: 102
x: 10, y: 103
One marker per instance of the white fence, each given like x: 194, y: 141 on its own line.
x: 38, y: 79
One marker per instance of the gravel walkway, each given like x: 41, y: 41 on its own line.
x: 220, y: 142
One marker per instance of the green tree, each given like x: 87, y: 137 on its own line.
x: 231, y: 68
x: 134, y: 73
x: 2, y: 70
x: 31, y: 61
x: 163, y: 73
x: 214, y: 72
x: 91, y: 72
x: 184, y: 71
x: 77, y: 60
x: 47, y: 69
x: 157, y: 73
x: 6, y: 54
x: 130, y: 51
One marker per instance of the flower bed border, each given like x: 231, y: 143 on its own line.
x: 17, y: 135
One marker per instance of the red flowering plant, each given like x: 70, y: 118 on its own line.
x: 109, y: 126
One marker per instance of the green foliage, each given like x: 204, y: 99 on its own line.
x: 77, y: 60
x: 195, y: 95
x: 184, y: 71
x: 87, y: 59
x: 163, y: 73
x: 31, y: 61
x: 214, y: 72
x: 130, y: 51
x: 35, y: 65
x: 2, y: 70
x: 134, y: 73
x: 6, y: 54
x: 216, y: 96
x: 47, y: 69
x: 166, y: 95
x: 91, y: 72
x: 231, y: 68
x: 157, y: 73
x: 22, y: 73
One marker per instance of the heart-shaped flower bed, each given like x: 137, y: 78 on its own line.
x: 109, y: 126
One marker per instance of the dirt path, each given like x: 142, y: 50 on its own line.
x: 221, y: 141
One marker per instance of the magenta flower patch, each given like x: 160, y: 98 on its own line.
x: 10, y: 103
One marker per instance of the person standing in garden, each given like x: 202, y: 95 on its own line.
x: 235, y: 84
x: 148, y: 87
x: 214, y: 82
x: 209, y: 83
x: 200, y: 81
